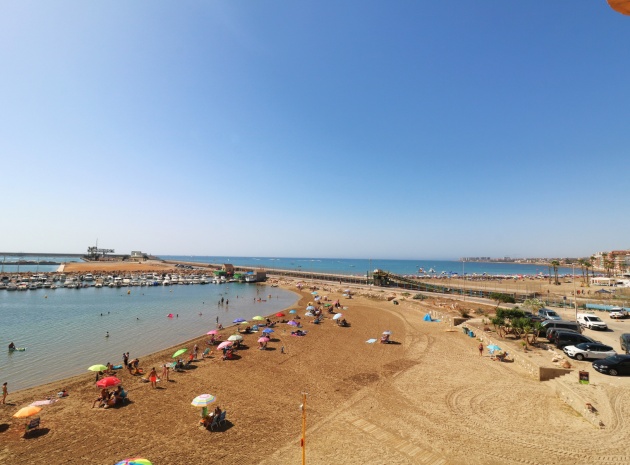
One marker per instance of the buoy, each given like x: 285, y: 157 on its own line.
x: 128, y: 292
x: 170, y: 315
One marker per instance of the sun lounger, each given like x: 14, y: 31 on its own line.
x: 222, y: 418
x: 31, y: 425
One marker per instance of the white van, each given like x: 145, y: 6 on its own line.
x: 591, y: 321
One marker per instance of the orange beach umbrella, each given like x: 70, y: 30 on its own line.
x: 620, y: 6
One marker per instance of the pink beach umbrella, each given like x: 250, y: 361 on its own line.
x: 224, y: 344
x: 214, y: 331
x: 263, y: 339
x: 293, y: 323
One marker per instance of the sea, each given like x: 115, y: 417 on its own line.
x: 64, y: 330
x: 363, y: 266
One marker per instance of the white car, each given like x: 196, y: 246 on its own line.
x: 589, y: 350
x: 618, y: 314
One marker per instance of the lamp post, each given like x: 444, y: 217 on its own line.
x: 574, y: 293
x: 303, y: 442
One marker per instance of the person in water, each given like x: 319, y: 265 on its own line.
x: 11, y: 346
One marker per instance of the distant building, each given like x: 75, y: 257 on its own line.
x: 137, y: 256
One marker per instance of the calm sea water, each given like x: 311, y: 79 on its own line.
x: 64, y: 333
x: 362, y: 266
x: 8, y: 264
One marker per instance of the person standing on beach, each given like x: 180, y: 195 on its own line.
x: 165, y: 371
x: 153, y: 378
x: 5, y: 392
x: 125, y: 359
x: 480, y: 349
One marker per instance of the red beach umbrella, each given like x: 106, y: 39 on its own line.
x: 108, y: 381
x: 279, y: 314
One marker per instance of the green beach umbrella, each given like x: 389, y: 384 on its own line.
x: 243, y: 323
x: 258, y: 318
x: 97, y: 368
x: 179, y: 352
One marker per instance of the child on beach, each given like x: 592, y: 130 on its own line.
x: 5, y: 392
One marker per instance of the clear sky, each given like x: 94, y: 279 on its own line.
x: 404, y: 129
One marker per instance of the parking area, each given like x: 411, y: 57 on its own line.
x: 609, y: 337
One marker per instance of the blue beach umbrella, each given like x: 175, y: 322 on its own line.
x: 293, y: 311
x: 267, y: 330
x: 238, y: 320
x: 493, y: 347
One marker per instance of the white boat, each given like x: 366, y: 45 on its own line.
x: 88, y: 277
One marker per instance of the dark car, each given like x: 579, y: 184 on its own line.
x: 533, y: 318
x: 624, y: 340
x: 559, y: 325
x: 613, y: 366
x: 568, y: 338
x: 551, y: 332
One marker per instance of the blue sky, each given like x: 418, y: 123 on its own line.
x: 406, y: 129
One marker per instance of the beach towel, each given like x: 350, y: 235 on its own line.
x: 371, y: 341
x: 44, y: 402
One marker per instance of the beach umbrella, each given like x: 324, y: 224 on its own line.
x: 316, y: 299
x: 108, y: 381
x: 327, y: 305
x: 309, y: 308
x: 493, y: 347
x: 27, y: 411
x: 134, y: 461
x: 238, y: 320
x: 179, y: 352
x: 243, y: 323
x: 279, y: 314
x: 235, y: 337
x: 258, y: 318
x: 203, y: 400
x: 314, y: 293
x: 388, y: 332
x: 293, y: 323
x: 347, y: 291
x: 224, y: 344
x: 620, y: 6
x: 97, y: 368
x: 263, y: 339
x: 337, y: 316
x: 267, y: 330
x: 293, y: 311
x: 214, y: 331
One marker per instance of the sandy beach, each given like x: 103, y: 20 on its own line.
x: 429, y: 398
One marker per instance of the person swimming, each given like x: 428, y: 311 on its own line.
x: 107, y: 335
x: 11, y: 346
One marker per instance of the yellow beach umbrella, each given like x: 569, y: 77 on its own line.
x: 27, y: 411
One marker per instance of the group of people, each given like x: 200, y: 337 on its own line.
x: 108, y: 399
x: 206, y: 420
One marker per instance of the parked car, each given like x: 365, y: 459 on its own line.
x: 548, y: 314
x: 551, y: 332
x: 568, y: 338
x: 533, y: 318
x: 591, y: 321
x: 624, y: 340
x: 589, y: 350
x: 618, y: 314
x: 613, y: 366
x: 559, y: 324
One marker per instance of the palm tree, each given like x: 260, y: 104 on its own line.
x: 555, y: 264
x: 582, y: 262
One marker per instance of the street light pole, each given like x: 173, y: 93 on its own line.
x: 574, y: 293
x: 303, y: 428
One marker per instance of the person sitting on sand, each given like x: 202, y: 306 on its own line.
x: 102, y: 398
x: 385, y: 339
